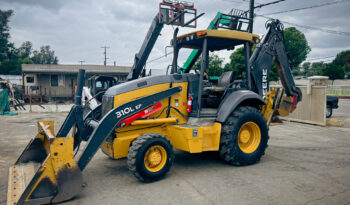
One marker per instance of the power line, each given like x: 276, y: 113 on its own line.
x: 310, y: 27
x: 262, y: 5
x: 160, y: 57
x: 309, y: 7
x: 240, y: 2
x: 248, y: 1
x: 319, y: 58
x: 319, y: 29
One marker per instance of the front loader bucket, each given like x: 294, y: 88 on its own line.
x: 46, y: 172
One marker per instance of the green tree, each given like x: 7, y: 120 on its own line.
x: 11, y: 65
x: 5, y: 34
x: 215, y: 65
x: 297, y: 46
x: 236, y: 63
x: 333, y: 71
x: 44, y: 56
x: 305, y: 68
x: 26, y: 49
x: 316, y: 68
x: 343, y: 60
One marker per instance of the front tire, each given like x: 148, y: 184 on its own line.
x: 150, y: 157
x: 244, y: 137
x: 329, y: 111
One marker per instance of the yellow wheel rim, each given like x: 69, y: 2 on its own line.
x: 249, y: 137
x: 155, y: 158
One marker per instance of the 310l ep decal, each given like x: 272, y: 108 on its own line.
x: 127, y: 110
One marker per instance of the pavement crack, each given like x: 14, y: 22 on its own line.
x: 195, y: 188
x: 325, y: 196
x: 311, y: 171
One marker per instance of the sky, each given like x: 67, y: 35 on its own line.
x: 76, y: 30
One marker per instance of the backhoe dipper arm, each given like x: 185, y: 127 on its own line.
x: 146, y: 48
x: 272, y: 47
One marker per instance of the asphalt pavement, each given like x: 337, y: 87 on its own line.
x: 342, y: 113
x: 304, y: 164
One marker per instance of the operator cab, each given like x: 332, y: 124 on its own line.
x: 207, y: 93
x: 99, y: 84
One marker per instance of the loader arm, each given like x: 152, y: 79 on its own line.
x: 115, y: 118
x: 47, y: 170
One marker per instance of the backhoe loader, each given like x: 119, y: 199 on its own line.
x: 144, y: 119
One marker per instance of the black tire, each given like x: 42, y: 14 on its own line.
x: 137, y: 153
x: 329, y: 111
x: 230, y: 150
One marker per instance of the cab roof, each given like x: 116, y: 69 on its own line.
x: 218, y: 39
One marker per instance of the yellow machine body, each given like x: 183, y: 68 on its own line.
x: 192, y: 138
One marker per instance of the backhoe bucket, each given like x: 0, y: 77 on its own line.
x: 46, y: 172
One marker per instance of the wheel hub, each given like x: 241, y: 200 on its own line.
x: 249, y: 137
x: 155, y: 158
x: 245, y: 136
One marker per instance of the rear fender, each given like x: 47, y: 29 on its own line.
x: 233, y: 100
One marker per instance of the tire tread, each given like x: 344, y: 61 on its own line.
x: 228, y: 151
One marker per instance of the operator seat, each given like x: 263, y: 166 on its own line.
x: 225, y: 81
x: 215, y: 93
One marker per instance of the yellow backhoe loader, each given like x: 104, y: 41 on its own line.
x: 143, y: 120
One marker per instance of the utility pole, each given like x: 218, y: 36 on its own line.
x: 81, y: 63
x: 251, y: 16
x: 105, y: 54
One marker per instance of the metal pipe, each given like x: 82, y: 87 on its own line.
x: 80, y: 85
x: 176, y: 52
x: 204, y: 66
x: 247, y: 49
x: 190, y: 21
x: 154, y: 121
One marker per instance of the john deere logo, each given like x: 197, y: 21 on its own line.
x: 264, y: 82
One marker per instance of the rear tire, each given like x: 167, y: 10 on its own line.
x: 150, y: 157
x: 329, y: 111
x: 244, y: 137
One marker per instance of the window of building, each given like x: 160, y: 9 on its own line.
x: 54, y: 80
x: 57, y: 80
x: 30, y: 79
